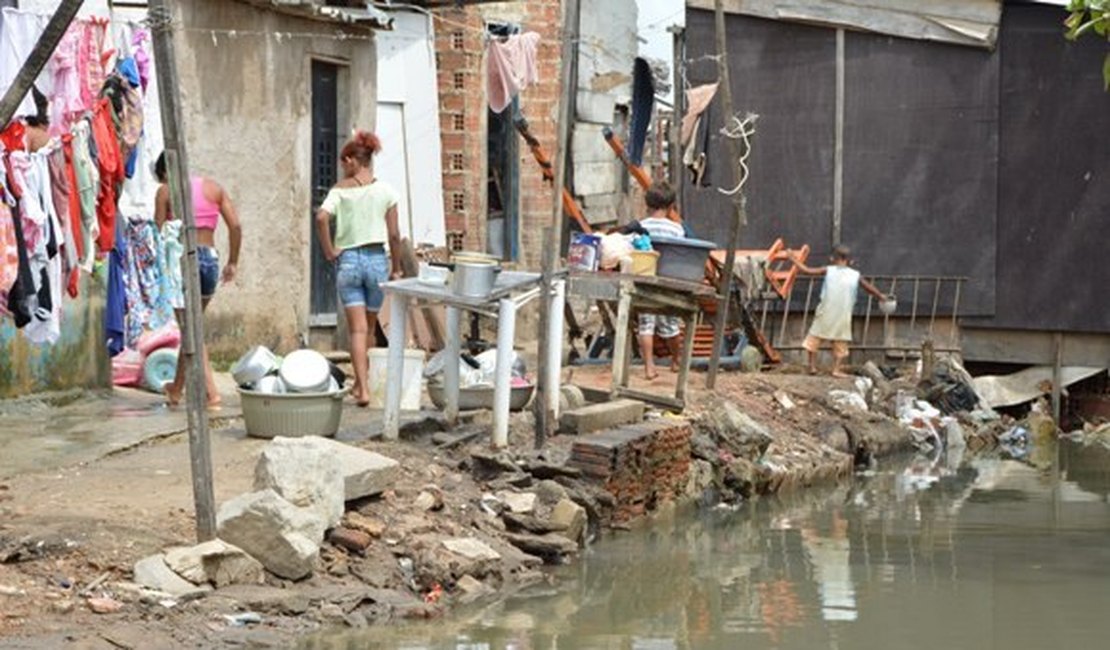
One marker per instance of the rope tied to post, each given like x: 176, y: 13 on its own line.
x: 742, y: 130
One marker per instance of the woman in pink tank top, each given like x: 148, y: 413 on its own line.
x: 210, y: 202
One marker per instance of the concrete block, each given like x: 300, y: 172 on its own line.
x: 215, y: 562
x: 365, y: 473
x: 282, y: 536
x: 305, y: 472
x: 596, y: 417
x: 153, y: 573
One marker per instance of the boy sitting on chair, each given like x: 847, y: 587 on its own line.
x: 833, y: 319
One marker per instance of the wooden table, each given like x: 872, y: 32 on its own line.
x: 653, y: 294
x: 510, y: 291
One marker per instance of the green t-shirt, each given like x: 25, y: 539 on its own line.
x: 360, y: 213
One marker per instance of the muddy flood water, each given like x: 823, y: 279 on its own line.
x: 929, y: 553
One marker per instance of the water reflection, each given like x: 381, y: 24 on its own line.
x: 936, y: 553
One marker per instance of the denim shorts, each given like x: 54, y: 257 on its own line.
x: 208, y: 261
x: 359, y: 276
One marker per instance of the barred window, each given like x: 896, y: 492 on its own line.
x: 458, y: 201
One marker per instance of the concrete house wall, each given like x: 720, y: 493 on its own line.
x: 248, y: 117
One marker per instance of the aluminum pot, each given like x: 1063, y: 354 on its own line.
x: 258, y: 362
x: 474, y: 280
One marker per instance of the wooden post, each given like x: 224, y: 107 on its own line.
x: 740, y: 218
x: 545, y: 418
x: 679, y: 33
x: 177, y: 166
x: 38, y: 58
x: 1057, y: 375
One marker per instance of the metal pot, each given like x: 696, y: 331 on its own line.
x: 474, y: 279
x: 258, y: 362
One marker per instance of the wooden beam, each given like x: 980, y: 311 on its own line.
x: 545, y: 417
x: 177, y: 166
x: 740, y: 217
x: 38, y: 58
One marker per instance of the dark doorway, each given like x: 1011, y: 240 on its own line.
x: 503, y: 173
x: 325, y: 146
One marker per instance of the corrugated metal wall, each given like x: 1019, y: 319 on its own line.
x: 958, y: 161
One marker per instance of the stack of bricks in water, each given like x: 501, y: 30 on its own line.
x: 641, y: 465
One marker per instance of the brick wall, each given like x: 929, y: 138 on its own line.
x: 641, y: 465
x: 460, y: 48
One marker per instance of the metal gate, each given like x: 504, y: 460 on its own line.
x: 325, y: 158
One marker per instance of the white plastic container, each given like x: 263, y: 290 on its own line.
x: 412, y: 378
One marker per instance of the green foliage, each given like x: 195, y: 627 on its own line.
x: 1090, y: 17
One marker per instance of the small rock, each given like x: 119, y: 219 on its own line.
x: 356, y: 541
x: 426, y: 501
x: 63, y: 606
x: 365, y: 473
x: 6, y: 590
x: 472, y: 549
x: 572, y: 518
x: 520, y: 503
x: 470, y: 584
x: 332, y: 611
x: 356, y: 620
x: 370, y: 525
x: 550, y: 492
x: 547, y: 546
x: 104, y: 605
x: 784, y: 400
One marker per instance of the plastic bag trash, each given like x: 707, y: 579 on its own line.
x: 848, y: 400
x: 613, y: 248
x: 1018, y: 436
x: 248, y: 618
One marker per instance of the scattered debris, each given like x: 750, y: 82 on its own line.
x: 471, y: 548
x: 356, y: 541
x: 784, y: 400
x: 104, y: 605
x: 243, y: 619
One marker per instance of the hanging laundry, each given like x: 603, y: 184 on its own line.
x: 60, y: 188
x: 74, y: 207
x: 44, y: 247
x: 9, y: 253
x: 511, y: 67
x: 110, y: 168
x: 149, y: 307
x: 90, y: 67
x: 115, y: 306
x: 139, y: 39
x: 88, y: 186
x: 172, y: 249
x: 19, y: 31
x: 696, y: 132
x: 65, y: 101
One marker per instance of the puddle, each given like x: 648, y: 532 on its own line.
x: 990, y: 553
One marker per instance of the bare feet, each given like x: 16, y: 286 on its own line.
x: 812, y: 370
x: 173, y: 397
x: 362, y: 397
x: 651, y: 375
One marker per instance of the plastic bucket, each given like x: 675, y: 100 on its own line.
x: 644, y: 262
x: 412, y: 381
x: 682, y: 259
x: 291, y: 415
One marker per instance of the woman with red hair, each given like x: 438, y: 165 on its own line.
x: 365, y: 213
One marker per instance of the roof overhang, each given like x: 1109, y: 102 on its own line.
x: 962, y: 22
x: 363, y: 14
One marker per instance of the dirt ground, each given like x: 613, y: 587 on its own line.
x: 62, y: 529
